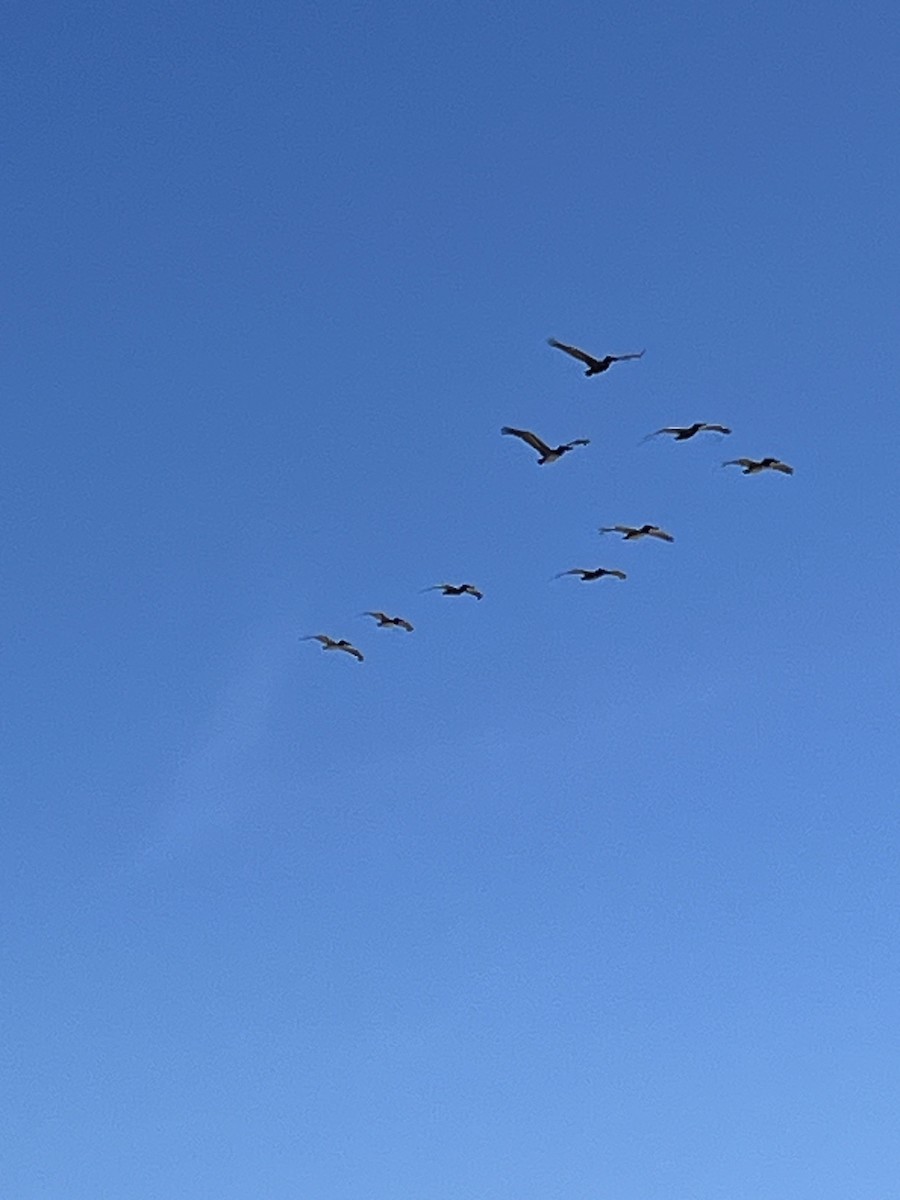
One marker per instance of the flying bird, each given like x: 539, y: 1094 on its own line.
x: 456, y: 589
x: 594, y: 365
x: 546, y: 454
x: 587, y: 576
x: 329, y: 643
x: 384, y: 621
x: 681, y: 433
x: 631, y: 533
x: 752, y: 466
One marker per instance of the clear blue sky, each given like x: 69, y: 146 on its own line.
x: 585, y: 892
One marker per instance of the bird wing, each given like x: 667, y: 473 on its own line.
x: 473, y: 591
x: 625, y: 357
x: 740, y: 462
x: 379, y: 616
x: 403, y: 624
x: 716, y: 428
x: 437, y: 587
x: 581, y: 355
x: 572, y: 571
x: 527, y: 436
x: 618, y: 574
x: 317, y: 637
x: 656, y: 532
x: 783, y: 468
x: 675, y: 430
x: 349, y: 649
x: 578, y: 442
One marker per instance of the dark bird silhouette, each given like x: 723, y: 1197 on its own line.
x: 456, y: 589
x: 594, y: 365
x: 587, y: 576
x: 329, y: 643
x: 681, y: 433
x: 384, y: 621
x: 631, y: 533
x: 546, y: 454
x: 752, y: 466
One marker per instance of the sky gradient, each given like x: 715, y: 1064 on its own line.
x: 585, y: 891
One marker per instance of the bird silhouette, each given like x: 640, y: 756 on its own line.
x: 681, y: 433
x: 384, y: 621
x: 587, y: 575
x: 753, y: 466
x: 329, y: 643
x: 456, y: 589
x: 594, y: 365
x: 631, y: 533
x: 546, y: 454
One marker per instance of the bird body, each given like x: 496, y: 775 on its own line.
x: 546, y: 454
x: 329, y: 643
x: 456, y: 589
x: 384, y: 621
x: 753, y: 466
x: 681, y: 433
x: 631, y: 533
x: 588, y: 575
x: 594, y: 365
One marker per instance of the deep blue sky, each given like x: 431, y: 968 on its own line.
x: 584, y: 891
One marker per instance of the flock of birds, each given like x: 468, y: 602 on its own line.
x: 549, y: 454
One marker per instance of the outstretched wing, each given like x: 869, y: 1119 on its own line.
x: 656, y: 532
x: 715, y: 428
x: 436, y: 587
x: 349, y: 649
x: 624, y: 357
x: 472, y: 590
x: 404, y: 624
x: 578, y: 442
x: 623, y: 529
x: 782, y: 467
x: 573, y: 571
x: 581, y: 355
x: 618, y: 574
x: 673, y: 429
x: 317, y: 637
x: 379, y: 616
x: 740, y: 462
x: 527, y: 436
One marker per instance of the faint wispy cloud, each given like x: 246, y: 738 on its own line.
x: 206, y: 790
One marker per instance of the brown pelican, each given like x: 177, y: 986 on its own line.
x: 631, y: 533
x: 384, y: 621
x: 752, y: 466
x: 456, y: 589
x: 546, y: 454
x: 594, y: 365
x: 681, y: 433
x: 587, y: 576
x: 329, y: 643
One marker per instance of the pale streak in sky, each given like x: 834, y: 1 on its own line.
x: 206, y: 788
